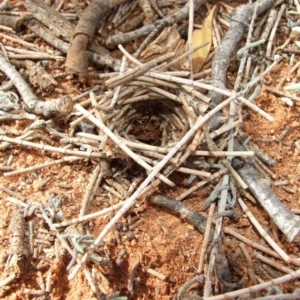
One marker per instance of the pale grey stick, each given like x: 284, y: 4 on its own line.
x: 90, y: 216
x: 50, y: 148
x: 37, y: 167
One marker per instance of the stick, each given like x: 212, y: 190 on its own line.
x: 263, y: 233
x: 62, y: 105
x: 50, y: 148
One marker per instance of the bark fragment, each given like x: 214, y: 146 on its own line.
x: 14, y: 22
x: 38, y: 76
x: 18, y: 251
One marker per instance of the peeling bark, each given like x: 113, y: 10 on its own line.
x: 38, y: 76
x: 77, y: 58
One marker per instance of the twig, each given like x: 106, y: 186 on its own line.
x: 212, y: 147
x: 137, y: 71
x: 245, y: 53
x: 217, y: 233
x: 200, y: 184
x: 190, y: 35
x: 131, y: 278
x: 187, y: 285
x: 206, y: 237
x: 50, y: 148
x: 12, y: 193
x: 156, y: 274
x: 273, y: 263
x: 280, y: 296
x: 90, y: 216
x: 263, y: 233
x: 156, y: 8
x: 44, y: 165
x: 7, y: 280
x: 147, y: 40
x: 250, y: 264
x: 19, y: 41
x: 255, y: 288
x: 120, y: 144
x: 129, y: 56
x: 218, y: 90
x: 86, y: 201
x: 274, y: 29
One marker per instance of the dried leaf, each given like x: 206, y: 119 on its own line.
x: 168, y: 41
x: 201, y: 36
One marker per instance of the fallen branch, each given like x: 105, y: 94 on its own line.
x: 61, y: 106
x: 228, y: 46
x: 286, y: 221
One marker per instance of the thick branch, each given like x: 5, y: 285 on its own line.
x: 229, y: 43
x: 14, y: 22
x: 57, y: 24
x: 260, y: 187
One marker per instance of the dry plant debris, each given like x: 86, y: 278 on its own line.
x: 145, y: 152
